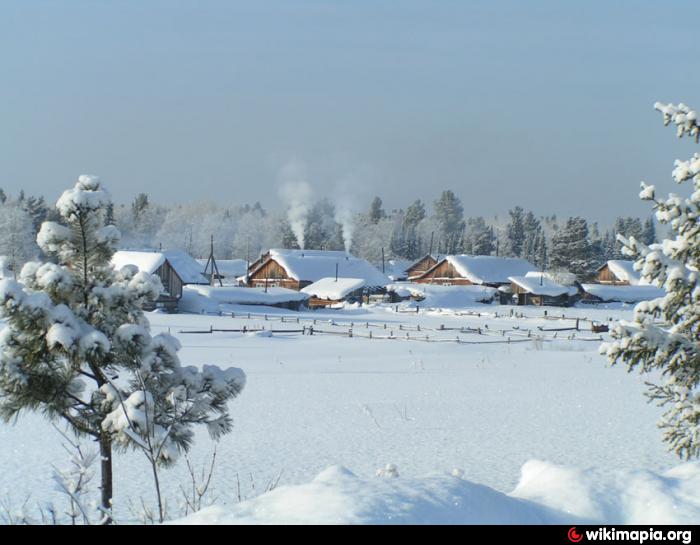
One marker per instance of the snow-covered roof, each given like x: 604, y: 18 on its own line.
x: 147, y: 262
x: 186, y: 267
x: 234, y: 295
x: 485, y: 269
x: 624, y: 271
x: 313, y: 265
x: 625, y: 294
x: 438, y: 296
x: 228, y: 268
x: 332, y: 289
x: 538, y: 283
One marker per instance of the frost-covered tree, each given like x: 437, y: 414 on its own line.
x: 376, y: 212
x: 77, y: 348
x: 449, y: 215
x: 664, y: 336
x: 17, y: 236
x: 515, y: 231
x: 571, y: 249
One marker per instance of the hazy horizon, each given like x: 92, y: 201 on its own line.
x: 546, y: 105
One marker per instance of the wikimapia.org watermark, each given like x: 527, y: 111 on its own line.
x: 638, y: 536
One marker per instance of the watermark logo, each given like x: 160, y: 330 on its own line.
x: 573, y: 535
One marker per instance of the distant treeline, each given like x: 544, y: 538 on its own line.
x: 549, y: 242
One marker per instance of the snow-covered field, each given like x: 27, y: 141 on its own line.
x: 312, y: 402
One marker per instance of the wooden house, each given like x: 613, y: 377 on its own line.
x: 421, y: 266
x: 175, y: 268
x: 461, y: 270
x: 536, y: 288
x: 618, y: 272
x: 296, y: 269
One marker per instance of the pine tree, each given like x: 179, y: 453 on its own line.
x: 17, y: 236
x: 664, y: 337
x: 649, y: 232
x: 77, y: 347
x: 376, y: 212
x: 515, y: 231
x: 480, y: 237
x: 571, y: 249
x: 449, y: 217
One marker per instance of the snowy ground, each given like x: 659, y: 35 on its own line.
x: 427, y: 407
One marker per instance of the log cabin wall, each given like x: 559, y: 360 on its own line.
x: 445, y: 274
x: 421, y: 266
x: 606, y: 276
x: 274, y: 275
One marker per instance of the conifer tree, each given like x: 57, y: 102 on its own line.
x: 77, y: 347
x: 664, y: 337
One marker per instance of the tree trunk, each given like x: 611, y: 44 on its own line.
x: 106, y: 466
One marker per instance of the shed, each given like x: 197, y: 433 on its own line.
x: 330, y: 291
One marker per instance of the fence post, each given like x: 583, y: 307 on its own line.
x: 418, y: 327
x: 311, y: 329
x: 370, y: 334
x: 350, y: 332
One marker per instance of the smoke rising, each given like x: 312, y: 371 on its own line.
x: 296, y: 193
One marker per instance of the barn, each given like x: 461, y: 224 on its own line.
x: 619, y: 272
x: 175, y: 268
x: 296, y: 269
x: 537, y: 288
x: 461, y: 270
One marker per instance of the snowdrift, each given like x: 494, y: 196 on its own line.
x: 438, y: 296
x: 546, y: 494
x: 208, y: 299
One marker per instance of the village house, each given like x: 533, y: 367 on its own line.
x: 175, y: 268
x: 618, y: 271
x: 617, y: 281
x: 537, y: 288
x: 462, y: 270
x: 296, y: 269
x: 419, y: 268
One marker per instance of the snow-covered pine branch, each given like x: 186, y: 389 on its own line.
x: 665, y: 333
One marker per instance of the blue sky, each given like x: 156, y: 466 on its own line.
x: 540, y: 103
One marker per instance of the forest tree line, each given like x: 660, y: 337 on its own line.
x: 573, y: 244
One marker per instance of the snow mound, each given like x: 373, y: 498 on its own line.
x: 438, y: 296
x: 546, y: 494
